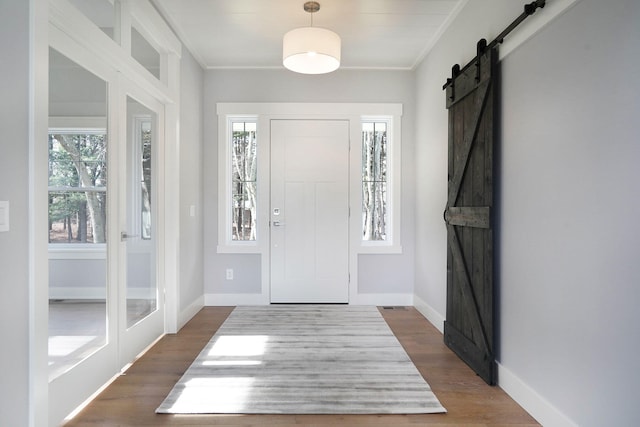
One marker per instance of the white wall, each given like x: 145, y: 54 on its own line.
x: 191, y: 192
x: 568, y: 205
x: 23, y: 76
x: 378, y: 274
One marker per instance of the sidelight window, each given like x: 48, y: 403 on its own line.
x: 374, y: 181
x: 243, y: 180
x: 380, y: 176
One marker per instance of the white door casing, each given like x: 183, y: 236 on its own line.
x: 309, y: 211
x: 264, y: 113
x: 74, y: 36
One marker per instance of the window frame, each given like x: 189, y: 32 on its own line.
x: 77, y: 126
x: 233, y: 183
x: 226, y: 243
x: 135, y: 148
x: 392, y: 243
x: 373, y: 181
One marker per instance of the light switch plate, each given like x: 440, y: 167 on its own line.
x: 4, y: 215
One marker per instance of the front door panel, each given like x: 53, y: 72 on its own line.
x: 309, y: 211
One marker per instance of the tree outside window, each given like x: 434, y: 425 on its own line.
x: 77, y: 187
x: 146, y: 178
x: 374, y: 181
x: 244, y: 181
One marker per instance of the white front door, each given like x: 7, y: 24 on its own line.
x: 309, y: 211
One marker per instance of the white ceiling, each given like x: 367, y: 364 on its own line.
x: 377, y: 34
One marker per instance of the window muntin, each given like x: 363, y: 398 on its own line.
x: 77, y: 186
x: 375, y: 173
x: 244, y: 170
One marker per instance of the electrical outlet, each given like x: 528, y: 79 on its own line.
x: 229, y: 273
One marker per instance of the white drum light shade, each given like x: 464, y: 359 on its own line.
x: 311, y: 50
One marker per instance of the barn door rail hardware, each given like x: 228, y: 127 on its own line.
x: 529, y: 9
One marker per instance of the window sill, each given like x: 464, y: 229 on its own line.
x: 77, y: 251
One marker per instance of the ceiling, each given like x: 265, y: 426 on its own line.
x: 376, y: 34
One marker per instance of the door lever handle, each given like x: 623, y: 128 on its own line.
x: 125, y: 236
x: 278, y: 224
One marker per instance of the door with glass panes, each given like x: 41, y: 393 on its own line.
x: 105, y: 298
x: 140, y: 302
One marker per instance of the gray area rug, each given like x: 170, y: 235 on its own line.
x: 302, y: 359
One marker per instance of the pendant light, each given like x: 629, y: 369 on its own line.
x: 311, y: 50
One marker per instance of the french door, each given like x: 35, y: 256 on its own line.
x: 106, y: 295
x: 309, y: 211
x: 140, y: 302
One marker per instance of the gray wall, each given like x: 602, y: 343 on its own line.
x: 191, y: 163
x: 284, y: 86
x: 14, y: 249
x: 568, y: 204
x: 87, y: 276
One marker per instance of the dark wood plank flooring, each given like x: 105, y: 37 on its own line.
x: 133, y: 397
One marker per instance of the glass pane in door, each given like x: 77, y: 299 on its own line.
x: 141, y: 288
x: 100, y: 12
x: 143, y: 52
x: 77, y: 197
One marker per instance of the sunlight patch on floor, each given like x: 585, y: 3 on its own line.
x: 64, y: 345
x: 239, y: 345
x: 230, y: 393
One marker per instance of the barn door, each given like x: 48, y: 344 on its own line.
x: 469, y: 326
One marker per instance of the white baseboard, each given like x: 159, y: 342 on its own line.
x: 260, y: 299
x: 539, y: 408
x: 430, y: 313
x: 62, y: 292
x: 185, y: 315
x: 381, y: 299
x: 235, y: 299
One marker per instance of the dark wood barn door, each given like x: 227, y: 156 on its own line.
x: 469, y: 327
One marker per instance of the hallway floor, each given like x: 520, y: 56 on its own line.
x: 133, y: 397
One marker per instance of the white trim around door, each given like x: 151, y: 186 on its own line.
x: 264, y: 113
